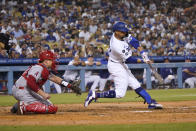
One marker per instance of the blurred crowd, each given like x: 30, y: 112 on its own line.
x: 83, y: 28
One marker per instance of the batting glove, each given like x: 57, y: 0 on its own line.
x: 145, y: 56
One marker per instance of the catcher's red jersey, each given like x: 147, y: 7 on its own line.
x: 35, y: 76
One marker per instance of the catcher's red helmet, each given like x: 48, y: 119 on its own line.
x: 48, y: 55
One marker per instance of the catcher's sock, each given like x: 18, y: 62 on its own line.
x: 141, y: 92
x: 106, y: 94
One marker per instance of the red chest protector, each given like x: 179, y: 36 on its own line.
x: 44, y: 75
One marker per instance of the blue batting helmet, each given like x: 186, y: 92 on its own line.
x: 120, y: 26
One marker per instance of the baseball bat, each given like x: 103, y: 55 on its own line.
x: 156, y: 74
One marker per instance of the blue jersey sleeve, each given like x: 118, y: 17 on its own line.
x: 132, y: 60
x: 134, y: 42
x: 104, y: 61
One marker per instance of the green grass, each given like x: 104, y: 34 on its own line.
x: 159, y: 95
x: 69, y: 98
x: 137, y: 127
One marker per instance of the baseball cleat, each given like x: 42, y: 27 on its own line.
x: 155, y: 105
x: 90, y: 98
x: 14, y: 109
x: 20, y: 108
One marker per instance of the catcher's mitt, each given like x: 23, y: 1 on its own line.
x: 75, y: 86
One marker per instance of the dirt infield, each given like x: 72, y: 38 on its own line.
x: 106, y: 113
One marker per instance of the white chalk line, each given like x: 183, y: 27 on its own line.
x: 140, y: 111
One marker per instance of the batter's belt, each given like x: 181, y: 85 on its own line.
x: 116, y: 62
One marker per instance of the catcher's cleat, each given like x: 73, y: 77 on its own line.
x: 91, y: 96
x: 20, y: 110
x: 155, y: 105
x: 14, y: 109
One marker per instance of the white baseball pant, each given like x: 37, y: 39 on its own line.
x: 122, y: 77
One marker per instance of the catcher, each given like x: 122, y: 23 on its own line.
x: 27, y: 89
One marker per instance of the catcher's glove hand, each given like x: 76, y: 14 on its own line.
x: 75, y: 86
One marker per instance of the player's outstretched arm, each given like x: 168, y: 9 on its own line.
x: 145, y: 56
x: 31, y: 82
x: 74, y: 85
x: 135, y: 43
x: 55, y: 79
x: 133, y: 60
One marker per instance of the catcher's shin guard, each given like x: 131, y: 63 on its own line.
x: 36, y: 107
x: 52, y: 109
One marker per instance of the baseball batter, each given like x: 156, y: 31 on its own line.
x: 31, y: 98
x: 119, y: 53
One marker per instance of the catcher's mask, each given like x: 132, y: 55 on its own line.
x: 48, y: 55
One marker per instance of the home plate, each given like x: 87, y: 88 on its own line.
x: 141, y: 111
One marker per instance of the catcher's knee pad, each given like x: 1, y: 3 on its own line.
x: 40, y: 108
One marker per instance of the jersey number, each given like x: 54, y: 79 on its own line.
x: 36, y: 73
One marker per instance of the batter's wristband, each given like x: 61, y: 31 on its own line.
x: 141, y: 52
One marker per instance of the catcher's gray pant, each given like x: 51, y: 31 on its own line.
x: 28, y: 96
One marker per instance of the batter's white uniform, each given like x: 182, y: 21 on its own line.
x: 119, y: 51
